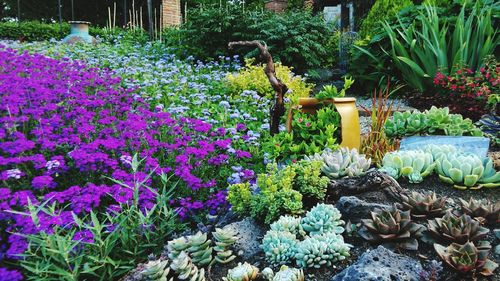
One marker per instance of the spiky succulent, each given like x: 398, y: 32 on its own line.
x: 468, y: 257
x: 176, y: 246
x: 467, y: 171
x: 289, y: 274
x: 322, y: 218
x: 482, y: 210
x: 458, y: 229
x: 342, y: 162
x: 392, y: 228
x: 157, y: 270
x: 279, y: 246
x: 224, y: 239
x: 185, y: 269
x: 413, y: 164
x: 242, y: 272
x: 319, y: 250
x: 437, y: 150
x: 288, y: 223
x: 200, y: 249
x: 423, y: 205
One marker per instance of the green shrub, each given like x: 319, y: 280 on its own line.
x: 36, y: 31
x: 296, y: 38
x: 381, y: 11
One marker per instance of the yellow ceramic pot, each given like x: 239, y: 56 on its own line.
x: 351, y: 133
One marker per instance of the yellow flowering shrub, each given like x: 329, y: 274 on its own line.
x: 252, y: 77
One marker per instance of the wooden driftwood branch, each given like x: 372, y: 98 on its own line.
x: 373, y: 180
x: 278, y: 107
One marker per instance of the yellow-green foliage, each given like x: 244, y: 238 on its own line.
x: 309, y: 180
x: 275, y: 197
x: 382, y: 10
x: 252, y: 77
x: 279, y: 191
x: 239, y: 196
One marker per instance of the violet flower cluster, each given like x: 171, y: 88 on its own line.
x: 66, y: 127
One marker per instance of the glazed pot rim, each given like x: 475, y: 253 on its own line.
x: 78, y: 22
x: 339, y: 100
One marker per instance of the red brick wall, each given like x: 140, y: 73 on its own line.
x: 171, y: 12
x: 276, y: 5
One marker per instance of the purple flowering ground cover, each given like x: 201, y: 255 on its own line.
x: 67, y: 128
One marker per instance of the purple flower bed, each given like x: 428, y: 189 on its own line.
x: 66, y: 127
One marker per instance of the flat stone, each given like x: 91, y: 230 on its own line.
x: 250, y: 235
x: 381, y: 264
x: 355, y: 209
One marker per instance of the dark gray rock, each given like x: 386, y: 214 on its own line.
x: 355, y: 209
x: 381, y: 264
x: 250, y: 236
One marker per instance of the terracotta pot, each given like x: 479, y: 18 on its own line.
x: 349, y: 122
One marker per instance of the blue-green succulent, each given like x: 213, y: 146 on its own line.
x: 279, y: 246
x: 413, y: 164
x: 322, y: 218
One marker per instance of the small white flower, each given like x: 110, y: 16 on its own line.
x: 126, y: 159
x: 14, y: 173
x: 52, y: 164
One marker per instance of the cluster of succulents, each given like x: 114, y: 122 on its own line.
x: 467, y: 257
x: 318, y: 250
x: 342, y: 162
x: 482, y: 210
x: 435, y: 121
x: 438, y: 150
x: 185, y: 269
x: 242, y: 272
x: 467, y: 171
x: 423, y: 205
x: 279, y: 246
x: 321, y: 219
x: 157, y: 270
x: 413, y: 164
x: 288, y: 223
x: 457, y: 229
x: 224, y: 239
x: 199, y: 248
x: 322, y: 243
x: 288, y: 274
x: 391, y: 227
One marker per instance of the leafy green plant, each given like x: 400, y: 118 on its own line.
x: 101, y: 248
x: 428, y: 45
x: 457, y: 229
x: 468, y: 257
x: 310, y: 133
x: 393, y: 228
x: 413, y: 164
x: 330, y: 91
x: 342, y: 162
x: 423, y: 206
x: 321, y: 219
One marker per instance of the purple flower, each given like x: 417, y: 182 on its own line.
x: 41, y: 182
